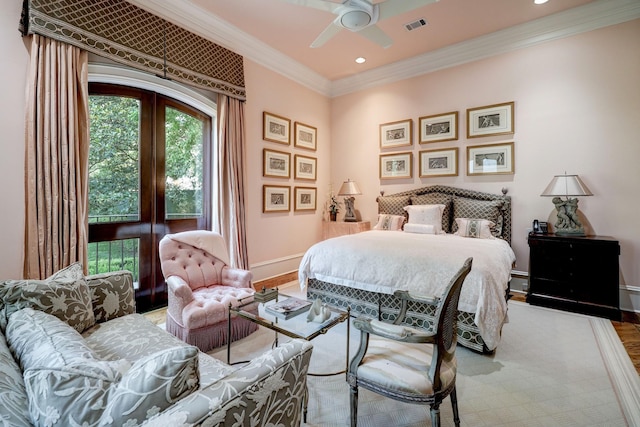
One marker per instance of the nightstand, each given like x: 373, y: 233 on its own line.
x: 340, y: 228
x: 579, y: 274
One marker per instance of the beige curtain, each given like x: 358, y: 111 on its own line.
x: 230, y: 179
x: 56, y: 158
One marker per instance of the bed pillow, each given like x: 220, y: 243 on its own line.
x: 67, y: 382
x: 420, y: 228
x: 389, y: 222
x: 437, y: 199
x: 476, y: 228
x: 64, y: 295
x: 479, y: 209
x: 426, y: 215
x: 393, y: 205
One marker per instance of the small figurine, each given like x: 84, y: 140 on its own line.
x: 318, y: 312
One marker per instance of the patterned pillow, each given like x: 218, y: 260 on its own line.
x: 477, y: 228
x: 437, y: 199
x: 427, y: 215
x: 420, y: 228
x: 479, y: 209
x: 64, y: 295
x: 13, y: 395
x: 112, y: 295
x: 393, y: 205
x: 68, y: 385
x: 389, y: 222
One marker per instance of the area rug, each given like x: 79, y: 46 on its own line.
x: 552, y: 368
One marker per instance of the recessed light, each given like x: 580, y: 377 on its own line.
x: 540, y: 1
x: 360, y: 60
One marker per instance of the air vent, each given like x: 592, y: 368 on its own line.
x: 415, y: 24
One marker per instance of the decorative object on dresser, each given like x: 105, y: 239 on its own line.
x: 568, y: 218
x: 349, y: 189
x: 575, y: 273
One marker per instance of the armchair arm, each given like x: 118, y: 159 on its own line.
x: 112, y: 294
x: 179, y: 295
x: 271, y: 387
x: 236, y: 277
x: 400, y: 333
x: 411, y: 296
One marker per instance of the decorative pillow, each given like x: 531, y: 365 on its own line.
x: 393, y: 205
x: 437, y: 199
x: 427, y: 215
x: 112, y: 295
x: 389, y: 222
x: 477, y: 228
x: 64, y: 295
x: 479, y: 209
x: 13, y: 395
x: 420, y: 228
x: 68, y: 385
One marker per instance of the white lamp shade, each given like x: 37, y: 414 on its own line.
x: 349, y: 188
x: 566, y: 185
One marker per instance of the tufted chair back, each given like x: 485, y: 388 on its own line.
x: 195, y: 266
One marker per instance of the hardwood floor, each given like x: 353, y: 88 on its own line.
x: 628, y: 330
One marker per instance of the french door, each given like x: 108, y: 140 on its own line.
x: 149, y: 175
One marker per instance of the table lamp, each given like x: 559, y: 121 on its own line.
x: 567, y: 222
x: 349, y: 189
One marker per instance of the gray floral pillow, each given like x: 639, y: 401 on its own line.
x: 112, y: 295
x: 68, y: 385
x: 64, y: 295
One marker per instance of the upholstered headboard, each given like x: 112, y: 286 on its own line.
x: 459, y: 203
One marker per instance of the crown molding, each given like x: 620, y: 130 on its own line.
x: 592, y: 16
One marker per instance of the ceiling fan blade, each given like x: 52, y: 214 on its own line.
x: 376, y: 35
x: 324, y: 36
x: 395, y: 7
x: 327, y: 6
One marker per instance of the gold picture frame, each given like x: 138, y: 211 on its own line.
x: 491, y: 159
x: 305, y: 167
x: 305, y: 136
x: 276, y: 128
x: 490, y: 120
x: 305, y: 198
x: 439, y: 127
x: 436, y: 163
x: 396, y: 165
x: 276, y: 164
x: 276, y: 198
x: 396, y: 134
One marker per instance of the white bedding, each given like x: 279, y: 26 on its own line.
x: 383, y: 261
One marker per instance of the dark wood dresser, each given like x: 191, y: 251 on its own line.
x: 579, y: 274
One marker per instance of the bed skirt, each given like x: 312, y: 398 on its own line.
x: 387, y: 307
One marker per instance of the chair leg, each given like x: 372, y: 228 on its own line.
x: 454, y: 405
x: 353, y: 399
x: 435, y: 415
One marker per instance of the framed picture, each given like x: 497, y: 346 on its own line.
x: 439, y: 163
x: 305, y: 167
x: 442, y: 127
x: 305, y: 136
x: 304, y: 198
x: 490, y: 120
x: 275, y: 128
x: 275, y: 198
x: 276, y: 164
x: 396, y: 165
x: 491, y: 159
x: 396, y: 134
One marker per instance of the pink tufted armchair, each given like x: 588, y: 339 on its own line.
x: 201, y: 285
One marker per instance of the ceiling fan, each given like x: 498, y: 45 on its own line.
x: 360, y: 16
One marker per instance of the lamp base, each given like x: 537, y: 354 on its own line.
x: 570, y: 232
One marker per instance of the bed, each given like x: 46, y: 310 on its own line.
x: 361, y: 271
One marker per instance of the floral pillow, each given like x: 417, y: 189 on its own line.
x: 476, y: 228
x: 426, y: 215
x: 389, y: 222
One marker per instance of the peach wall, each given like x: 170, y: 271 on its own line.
x: 273, y: 236
x: 12, y: 84
x: 577, y: 109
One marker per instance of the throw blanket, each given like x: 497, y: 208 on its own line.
x: 384, y: 261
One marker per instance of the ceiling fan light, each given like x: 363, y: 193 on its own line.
x: 355, y: 19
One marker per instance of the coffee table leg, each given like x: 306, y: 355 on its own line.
x: 229, y: 336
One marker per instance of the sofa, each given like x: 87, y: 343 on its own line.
x: 74, y: 352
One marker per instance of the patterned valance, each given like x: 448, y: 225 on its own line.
x: 130, y: 35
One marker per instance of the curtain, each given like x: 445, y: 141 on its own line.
x: 231, y: 177
x: 56, y: 158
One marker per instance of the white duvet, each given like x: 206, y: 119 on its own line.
x: 383, y: 261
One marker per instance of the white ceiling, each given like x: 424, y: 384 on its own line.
x: 277, y: 34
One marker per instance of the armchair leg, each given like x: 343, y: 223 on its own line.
x: 435, y: 415
x: 454, y: 405
x: 353, y: 399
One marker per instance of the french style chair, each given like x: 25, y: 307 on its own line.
x: 409, y: 364
x: 201, y: 286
